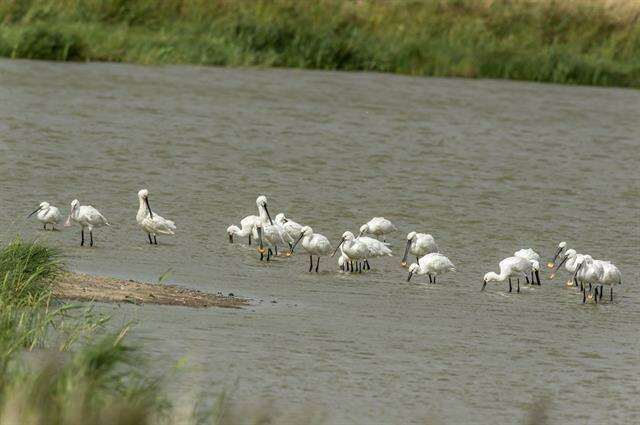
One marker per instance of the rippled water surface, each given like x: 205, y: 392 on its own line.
x: 487, y: 167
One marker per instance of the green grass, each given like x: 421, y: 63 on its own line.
x: 577, y: 42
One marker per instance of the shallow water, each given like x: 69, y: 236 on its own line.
x: 487, y: 167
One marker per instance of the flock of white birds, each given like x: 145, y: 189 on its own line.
x: 356, y: 251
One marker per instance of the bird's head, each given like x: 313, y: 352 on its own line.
x: 143, y: 193
x: 364, y: 229
x: 261, y: 201
x: 306, y: 231
x: 413, y: 269
x: 411, y: 235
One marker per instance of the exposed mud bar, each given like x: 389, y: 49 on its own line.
x: 84, y: 287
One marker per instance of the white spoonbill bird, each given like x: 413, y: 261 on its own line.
x: 561, y: 247
x: 247, y: 226
x: 609, y: 275
x: 433, y: 264
x: 291, y: 228
x: 419, y: 245
x: 510, y: 267
x: 375, y: 248
x: 269, y: 232
x: 87, y: 217
x: 570, y: 259
x: 151, y: 222
x: 354, y: 249
x: 588, y: 271
x: 315, y: 244
x: 534, y: 258
x: 47, y: 214
x: 378, y: 226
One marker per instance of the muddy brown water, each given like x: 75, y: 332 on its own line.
x: 487, y: 167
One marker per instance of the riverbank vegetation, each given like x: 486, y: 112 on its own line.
x: 573, y: 41
x: 60, y: 363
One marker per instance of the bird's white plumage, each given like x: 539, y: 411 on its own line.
x: 315, y: 243
x: 419, y: 245
x: 378, y: 226
x: 527, y: 254
x: 247, y: 227
x: 150, y: 221
x: 48, y: 214
x: 291, y: 229
x: 353, y: 247
x: 433, y: 264
x: 86, y: 216
x: 515, y: 267
x: 375, y: 248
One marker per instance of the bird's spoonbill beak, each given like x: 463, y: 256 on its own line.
x: 338, y: 247
x: 409, y: 277
x: 295, y: 244
x: 268, y: 215
x: 146, y: 201
x: 261, y: 249
x: 483, y: 285
x: 553, y: 273
x: 403, y: 263
x: 555, y: 257
x: 33, y: 212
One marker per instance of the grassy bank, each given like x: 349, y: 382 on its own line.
x: 581, y: 41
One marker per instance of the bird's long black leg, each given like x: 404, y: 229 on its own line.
x: 596, y: 295
x: 45, y: 226
x: 275, y: 247
x: 351, y: 264
x: 509, y: 284
x: 584, y: 297
x: 611, y: 294
x: 261, y: 256
x: 269, y: 253
x: 538, y: 278
x: 150, y: 241
x: 434, y: 280
x: 527, y: 278
x: 91, y: 237
x: 310, y: 262
x: 249, y: 238
x: 518, y: 285
x: 155, y: 240
x: 601, y: 291
x: 82, y: 237
x: 532, y: 277
x: 317, y: 264
x: 366, y: 262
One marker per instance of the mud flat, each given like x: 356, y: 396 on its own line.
x: 84, y: 287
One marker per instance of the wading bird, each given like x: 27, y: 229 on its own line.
x: 375, y: 248
x: 419, y: 245
x: 247, y: 228
x: 510, y: 267
x: 561, y: 247
x: 47, y: 214
x: 315, y: 244
x: 354, y: 249
x: 433, y: 264
x: 570, y: 259
x: 588, y: 271
x: 609, y: 275
x: 378, y: 226
x: 269, y: 232
x: 534, y: 258
x: 87, y: 217
x: 291, y: 228
x: 151, y: 222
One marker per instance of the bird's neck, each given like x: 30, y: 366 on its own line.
x: 142, y: 209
